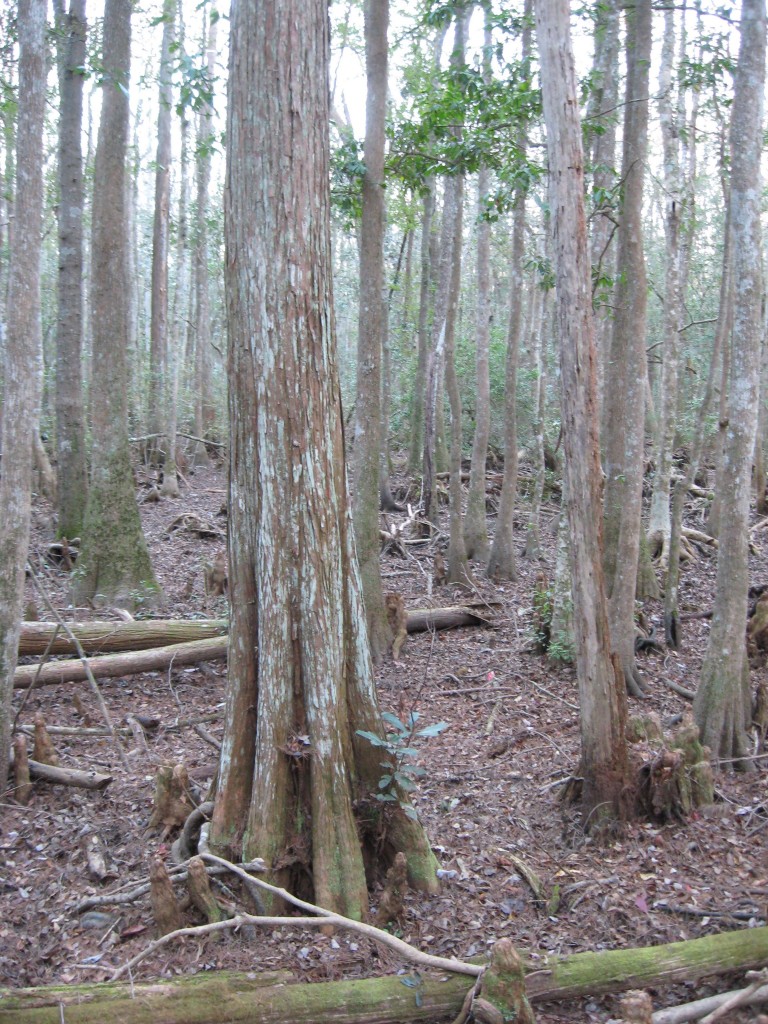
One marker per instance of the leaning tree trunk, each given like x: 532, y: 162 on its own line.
x: 294, y: 769
x: 367, y: 448
x: 626, y: 372
x: 70, y: 415
x: 21, y: 376
x: 605, y: 764
x: 114, y: 564
x: 722, y: 703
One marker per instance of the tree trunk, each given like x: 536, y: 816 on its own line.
x: 21, y: 371
x: 659, y: 526
x: 416, y: 448
x: 114, y: 565
x: 300, y: 675
x: 475, y: 520
x: 367, y: 448
x: 605, y: 764
x: 604, y: 101
x: 540, y: 330
x: 97, y: 637
x: 722, y: 706
x: 70, y: 415
x: 158, y: 330
x: 502, y: 560
x: 177, y: 333
x: 626, y: 369
x: 204, y: 410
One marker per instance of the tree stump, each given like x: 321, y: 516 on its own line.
x: 173, y: 802
x: 43, y: 749
x: 503, y: 986
x: 165, y: 907
x: 23, y: 786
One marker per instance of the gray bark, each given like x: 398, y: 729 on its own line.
x: 21, y: 369
x: 722, y: 703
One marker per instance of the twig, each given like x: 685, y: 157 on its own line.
x: 554, y: 696
x: 324, y: 918
x: 739, y: 998
x: 83, y: 658
x: 688, y: 694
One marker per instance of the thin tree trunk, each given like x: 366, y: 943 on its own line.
x: 70, y: 414
x: 605, y: 764
x: 475, y: 520
x: 367, y: 448
x: 158, y: 333
x: 626, y: 370
x: 659, y: 526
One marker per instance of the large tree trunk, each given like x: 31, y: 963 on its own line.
x: 300, y: 674
x: 270, y: 998
x: 605, y: 764
x: 70, y: 415
x: 114, y: 564
x: 626, y: 368
x: 21, y: 373
x: 722, y: 704
x: 367, y: 448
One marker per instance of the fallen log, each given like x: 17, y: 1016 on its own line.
x: 131, y: 661
x: 124, y: 664
x: 212, y: 998
x: 77, y: 777
x: 100, y: 637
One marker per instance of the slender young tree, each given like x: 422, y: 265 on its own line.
x: 158, y: 329
x: 502, y: 561
x: 722, y: 705
x: 367, y: 448
x: 605, y: 763
x: 204, y: 406
x: 23, y: 343
x: 114, y: 566
x: 294, y: 771
x: 475, y: 520
x: 626, y: 369
x: 71, y: 469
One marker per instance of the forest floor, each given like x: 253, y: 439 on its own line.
x: 490, y: 795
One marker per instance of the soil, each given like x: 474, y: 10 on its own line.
x: 489, y: 796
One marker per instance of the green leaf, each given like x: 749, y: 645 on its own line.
x: 432, y: 730
x: 372, y: 738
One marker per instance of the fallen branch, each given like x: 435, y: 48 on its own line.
x: 699, y: 1007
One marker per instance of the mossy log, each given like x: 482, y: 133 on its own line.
x: 265, y: 999
x: 105, y: 637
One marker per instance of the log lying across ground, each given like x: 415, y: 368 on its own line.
x: 267, y: 999
x: 206, y: 640
x: 125, y: 664
x: 102, y: 637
